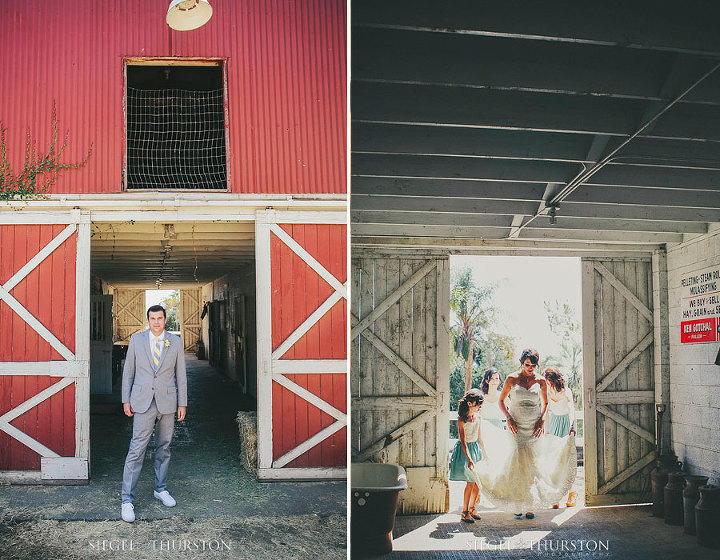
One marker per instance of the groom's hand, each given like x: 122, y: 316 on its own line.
x: 182, y: 411
x: 128, y: 409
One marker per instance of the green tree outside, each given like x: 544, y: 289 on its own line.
x: 564, y: 322
x: 475, y: 343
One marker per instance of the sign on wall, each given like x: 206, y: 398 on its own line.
x: 700, y: 306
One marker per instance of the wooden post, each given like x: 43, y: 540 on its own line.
x: 662, y: 335
x: 443, y: 372
x: 82, y: 340
x: 589, y: 379
x: 263, y: 220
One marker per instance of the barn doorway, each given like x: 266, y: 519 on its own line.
x: 192, y: 268
x: 510, y: 303
x: 400, y: 378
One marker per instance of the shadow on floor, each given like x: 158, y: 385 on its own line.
x: 577, y: 533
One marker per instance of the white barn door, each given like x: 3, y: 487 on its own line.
x: 619, y: 379
x: 399, y: 372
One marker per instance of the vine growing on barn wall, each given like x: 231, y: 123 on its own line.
x: 39, y: 171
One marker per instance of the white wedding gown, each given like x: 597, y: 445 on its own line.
x: 522, y: 472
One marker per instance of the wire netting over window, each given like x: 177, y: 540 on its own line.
x: 175, y: 139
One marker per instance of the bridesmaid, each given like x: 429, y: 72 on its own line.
x: 468, y: 450
x: 491, y: 412
x: 561, y: 413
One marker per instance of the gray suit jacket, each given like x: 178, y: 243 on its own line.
x: 140, y: 383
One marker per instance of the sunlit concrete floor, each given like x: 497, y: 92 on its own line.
x: 214, y: 493
x: 623, y: 532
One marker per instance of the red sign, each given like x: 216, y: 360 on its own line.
x: 701, y: 330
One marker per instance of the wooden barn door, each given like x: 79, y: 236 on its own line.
x: 399, y: 372
x: 302, y: 348
x: 190, y: 309
x: 128, y: 313
x: 44, y: 348
x: 101, y: 345
x: 619, y: 380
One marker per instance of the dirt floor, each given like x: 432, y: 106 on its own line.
x: 260, y: 538
x: 222, y: 511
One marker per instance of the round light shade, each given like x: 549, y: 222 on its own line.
x: 185, y: 15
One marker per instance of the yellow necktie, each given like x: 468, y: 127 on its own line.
x: 156, y: 352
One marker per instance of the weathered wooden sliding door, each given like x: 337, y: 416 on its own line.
x: 399, y: 372
x: 619, y: 379
x: 44, y: 347
x: 129, y: 313
x: 190, y: 311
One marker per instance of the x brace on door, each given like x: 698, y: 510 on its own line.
x: 428, y: 403
x: 16, y: 306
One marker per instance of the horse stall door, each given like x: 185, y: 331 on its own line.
x: 619, y: 380
x: 399, y: 372
x: 101, y: 345
x: 302, y: 350
x: 44, y: 349
x: 240, y: 340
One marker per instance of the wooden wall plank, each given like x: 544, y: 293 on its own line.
x: 632, y: 271
x: 391, y: 325
x: 607, y: 433
x: 620, y: 384
x: 404, y: 350
x: 419, y: 347
x: 443, y: 373
x: 591, y: 304
x: 646, y: 417
x: 431, y: 356
x: 367, y: 353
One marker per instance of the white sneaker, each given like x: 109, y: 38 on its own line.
x: 128, y: 512
x: 165, y: 498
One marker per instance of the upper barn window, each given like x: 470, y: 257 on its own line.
x: 175, y: 127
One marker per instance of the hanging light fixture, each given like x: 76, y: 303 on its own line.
x: 186, y: 15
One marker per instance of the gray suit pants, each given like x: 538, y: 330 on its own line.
x: 143, y: 424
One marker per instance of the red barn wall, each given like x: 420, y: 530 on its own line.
x: 286, y: 82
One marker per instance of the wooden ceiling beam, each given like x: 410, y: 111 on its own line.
x: 631, y: 25
x: 388, y: 138
x: 481, y: 232
x: 504, y: 221
x: 508, y: 63
x: 443, y: 189
x: 510, y: 208
x: 517, y: 110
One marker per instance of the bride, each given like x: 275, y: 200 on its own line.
x: 526, y: 469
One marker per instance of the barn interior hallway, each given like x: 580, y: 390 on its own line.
x: 206, y: 476
x: 205, y: 470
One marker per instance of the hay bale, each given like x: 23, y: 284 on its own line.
x: 247, y: 426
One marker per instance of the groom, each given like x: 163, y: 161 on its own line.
x: 153, y: 385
